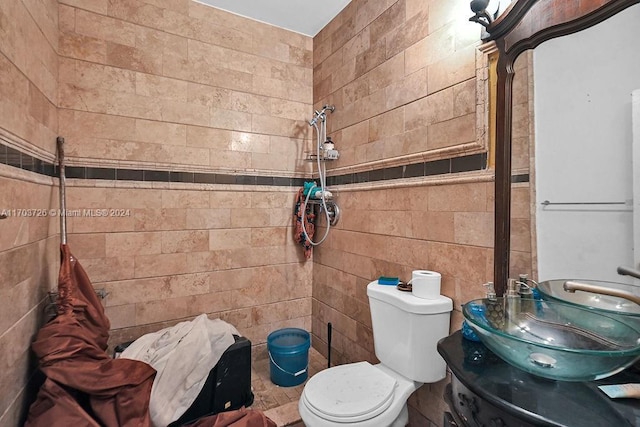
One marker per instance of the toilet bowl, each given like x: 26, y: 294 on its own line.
x: 356, y: 395
x: 406, y: 330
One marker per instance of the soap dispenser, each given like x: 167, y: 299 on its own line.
x: 526, y: 293
x: 495, y: 310
x: 467, y: 331
x: 512, y: 299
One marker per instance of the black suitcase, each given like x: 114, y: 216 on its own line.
x: 227, y: 387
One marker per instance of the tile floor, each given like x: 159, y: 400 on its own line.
x: 280, y: 403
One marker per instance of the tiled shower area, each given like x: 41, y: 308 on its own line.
x: 189, y: 127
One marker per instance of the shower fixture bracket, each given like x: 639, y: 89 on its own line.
x: 332, y: 209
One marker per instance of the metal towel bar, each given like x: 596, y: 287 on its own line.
x: 548, y: 203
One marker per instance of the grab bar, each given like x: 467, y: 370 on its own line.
x: 547, y: 203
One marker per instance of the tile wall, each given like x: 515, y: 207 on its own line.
x: 178, y: 89
x: 28, y: 244
x: 182, y: 87
x: 409, y: 85
x: 172, y: 89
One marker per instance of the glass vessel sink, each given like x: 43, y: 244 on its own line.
x: 552, y: 339
x: 628, y: 311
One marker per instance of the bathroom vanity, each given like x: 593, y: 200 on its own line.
x: 486, y: 391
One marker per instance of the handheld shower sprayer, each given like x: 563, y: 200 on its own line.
x: 325, y: 150
x: 321, y: 115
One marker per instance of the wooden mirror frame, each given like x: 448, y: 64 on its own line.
x: 524, y: 25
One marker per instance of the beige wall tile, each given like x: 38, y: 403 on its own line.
x: 105, y: 28
x: 101, y: 224
x: 435, y: 108
x: 230, y: 160
x: 108, y: 269
x: 433, y: 48
x: 357, y: 44
x: 521, y: 201
x: 388, y: 21
x: 185, y: 241
x: 385, y: 74
x: 89, y: 245
x: 254, y: 217
x: 94, y: 76
x: 474, y: 228
x: 98, y: 6
x: 223, y: 199
x: 228, y: 119
x: 159, y: 264
x: 208, y: 218
x: 129, y: 244
x: 435, y: 226
x: 135, y: 11
x: 83, y: 47
x: 86, y: 124
x: 456, y: 67
x: 205, y: 137
x: 160, y: 87
x: 184, y: 199
x: 457, y: 198
x: 133, y: 198
x: 131, y: 58
x: 370, y: 10
x: 159, y: 219
x: 230, y: 238
x: 443, y: 13
x: 410, y: 88
x: 166, y: 133
x: 371, y: 58
x: 123, y: 316
x: 270, y: 236
x: 413, y: 30
x: 182, y: 112
x: 388, y: 124
x: 464, y: 98
x: 158, y: 311
x: 521, y: 235
x: 452, y: 132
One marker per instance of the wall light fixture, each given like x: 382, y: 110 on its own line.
x: 483, y: 16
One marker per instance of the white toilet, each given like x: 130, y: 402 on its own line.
x: 406, y: 330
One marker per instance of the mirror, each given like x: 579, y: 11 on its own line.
x: 524, y: 26
x: 583, y: 159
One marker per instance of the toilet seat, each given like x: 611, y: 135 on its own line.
x: 349, y: 393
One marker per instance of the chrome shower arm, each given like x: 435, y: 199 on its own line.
x: 321, y: 115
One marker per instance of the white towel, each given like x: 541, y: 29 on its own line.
x: 183, y: 355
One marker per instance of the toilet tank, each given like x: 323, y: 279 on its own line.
x: 406, y: 331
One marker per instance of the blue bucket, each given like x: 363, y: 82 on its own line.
x: 289, y: 356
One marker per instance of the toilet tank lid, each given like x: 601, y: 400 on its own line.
x: 407, y: 301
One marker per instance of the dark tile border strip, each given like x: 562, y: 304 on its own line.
x: 475, y: 162
x: 520, y: 178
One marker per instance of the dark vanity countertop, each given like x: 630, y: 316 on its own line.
x: 537, y: 400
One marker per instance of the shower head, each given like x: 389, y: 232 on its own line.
x: 321, y: 115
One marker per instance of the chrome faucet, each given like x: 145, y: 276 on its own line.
x: 627, y: 271
x: 571, y: 286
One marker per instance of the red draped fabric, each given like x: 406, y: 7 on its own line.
x: 84, y: 385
